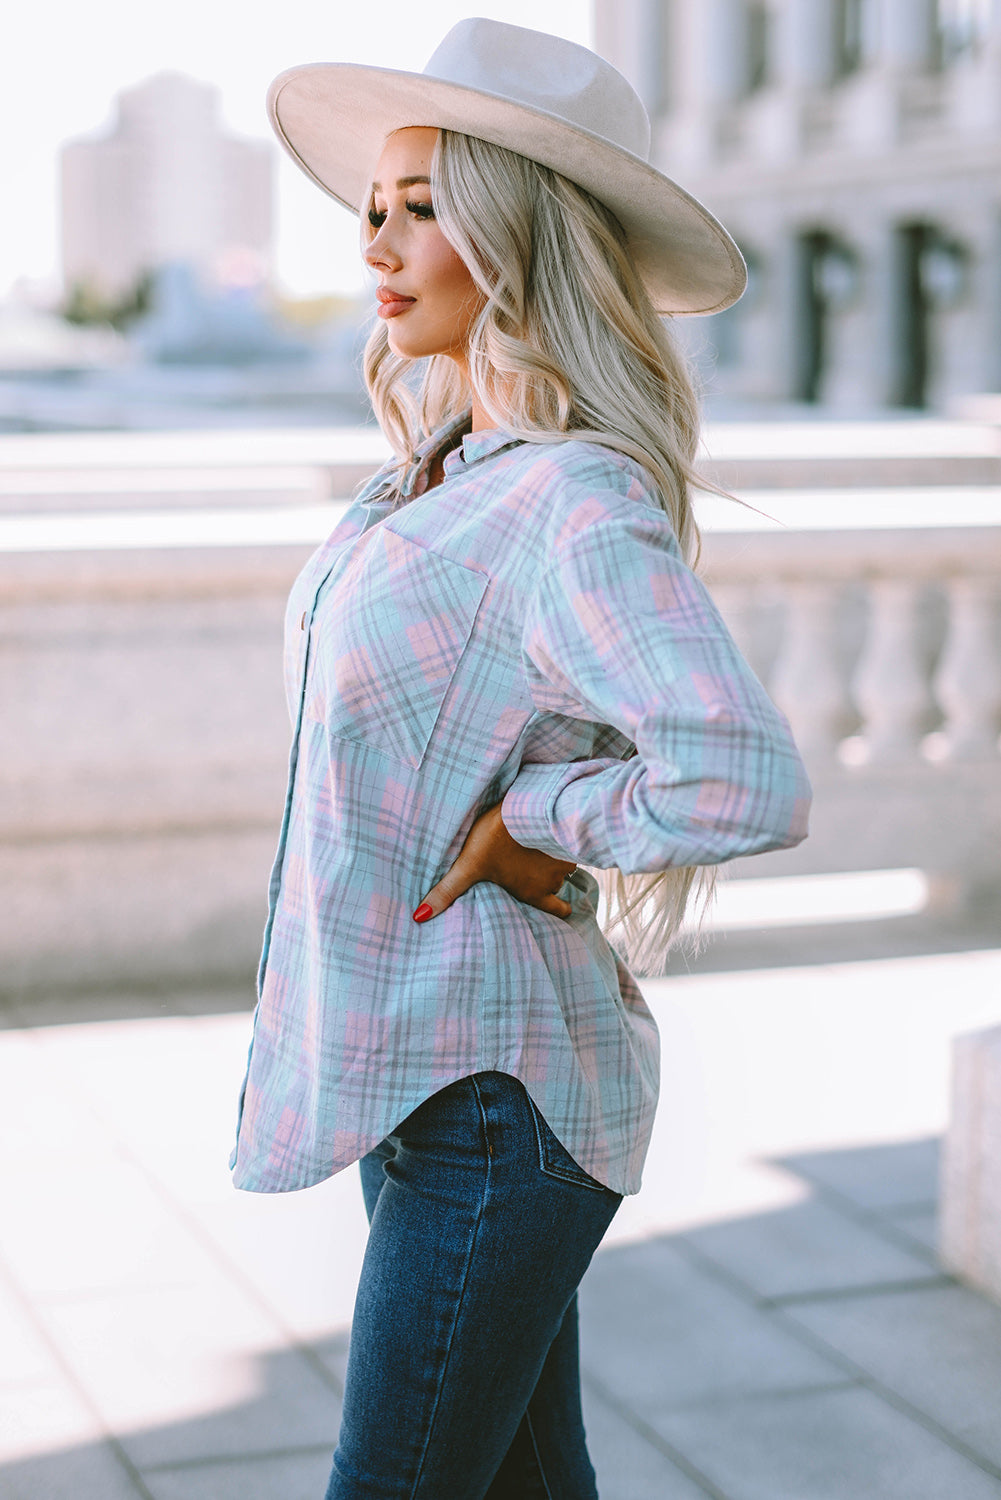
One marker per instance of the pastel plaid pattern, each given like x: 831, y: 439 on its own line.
x: 511, y: 634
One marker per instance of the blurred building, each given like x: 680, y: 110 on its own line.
x: 166, y: 185
x: 853, y: 147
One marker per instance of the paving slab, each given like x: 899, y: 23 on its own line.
x: 90, y: 1472
x: 42, y: 1122
x: 333, y: 1355
x: 98, y: 1226
x: 658, y: 1331
x: 302, y: 1251
x: 25, y: 1357
x: 39, y: 1411
x: 156, y: 1084
x: 628, y: 1466
x: 780, y: 1151
x: 940, y: 1350
x: 192, y: 1373
x: 919, y: 1224
x: 284, y: 1476
x: 897, y: 1175
x: 843, y: 1444
x: 807, y: 1247
x: 51, y: 1447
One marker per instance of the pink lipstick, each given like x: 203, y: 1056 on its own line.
x: 392, y: 303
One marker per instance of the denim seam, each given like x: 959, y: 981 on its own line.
x: 579, y: 1178
x: 538, y: 1456
x: 462, y: 1290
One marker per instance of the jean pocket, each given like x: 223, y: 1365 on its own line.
x: 554, y: 1159
x: 389, y: 643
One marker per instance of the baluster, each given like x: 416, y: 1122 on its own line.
x: 968, y: 682
x: 808, y: 681
x: 891, y: 683
x: 736, y: 603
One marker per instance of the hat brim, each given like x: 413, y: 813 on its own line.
x: 333, y: 119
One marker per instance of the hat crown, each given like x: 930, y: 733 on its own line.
x: 546, y: 73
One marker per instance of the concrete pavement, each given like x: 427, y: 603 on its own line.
x: 765, y: 1322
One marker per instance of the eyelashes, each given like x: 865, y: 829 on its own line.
x: 377, y: 217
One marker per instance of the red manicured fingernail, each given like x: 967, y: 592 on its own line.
x: 423, y: 912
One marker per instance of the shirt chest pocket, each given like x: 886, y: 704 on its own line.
x: 386, y: 644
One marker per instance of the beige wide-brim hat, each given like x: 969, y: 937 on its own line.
x: 540, y: 95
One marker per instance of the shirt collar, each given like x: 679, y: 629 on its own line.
x: 473, y: 447
x: 413, y: 482
x: 476, y: 446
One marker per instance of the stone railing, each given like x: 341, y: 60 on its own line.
x: 144, y: 739
x: 881, y: 640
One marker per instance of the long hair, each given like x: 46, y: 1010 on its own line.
x: 567, y: 345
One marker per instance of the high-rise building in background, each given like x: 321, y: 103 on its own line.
x: 166, y: 185
x: 853, y: 148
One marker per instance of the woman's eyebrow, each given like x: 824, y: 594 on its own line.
x: 402, y: 182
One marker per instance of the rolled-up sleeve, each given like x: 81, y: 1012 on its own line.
x: 621, y: 632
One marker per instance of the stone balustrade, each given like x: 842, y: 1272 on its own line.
x: 144, y: 739
x: 882, y: 643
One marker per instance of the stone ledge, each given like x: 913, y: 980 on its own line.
x: 970, y: 1195
x: 183, y: 908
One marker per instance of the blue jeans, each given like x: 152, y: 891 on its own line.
x: 463, y: 1380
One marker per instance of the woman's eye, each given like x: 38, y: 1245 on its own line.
x: 376, y: 217
x: 421, y: 210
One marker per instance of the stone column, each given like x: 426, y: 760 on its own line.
x: 908, y: 41
x: 804, y: 44
x: 710, y: 41
x: 653, y: 84
x: 706, y: 42
x: 631, y: 35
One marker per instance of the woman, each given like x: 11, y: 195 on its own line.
x: 499, y: 666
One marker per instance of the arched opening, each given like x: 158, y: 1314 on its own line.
x: 929, y: 276
x: 810, y: 319
x: 826, y: 275
x: 911, y: 310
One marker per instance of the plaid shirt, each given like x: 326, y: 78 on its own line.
x: 511, y: 634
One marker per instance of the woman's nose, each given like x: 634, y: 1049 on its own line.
x: 379, y: 253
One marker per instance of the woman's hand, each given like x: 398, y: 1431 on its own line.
x: 490, y: 853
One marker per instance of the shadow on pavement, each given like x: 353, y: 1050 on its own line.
x: 814, y: 1351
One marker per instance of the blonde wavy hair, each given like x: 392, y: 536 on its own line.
x: 567, y: 346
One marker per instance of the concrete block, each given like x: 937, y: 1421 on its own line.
x: 838, y: 1444
x: 920, y: 1224
x: 91, y: 1471
x: 143, y: 763
x: 628, y: 1465
x: 302, y: 1251
x: 192, y: 1373
x: 970, y: 1204
x: 41, y: 1121
x: 25, y: 1358
x: 659, y: 1332
x: 51, y: 1447
x: 292, y: 1476
x: 879, y: 1178
x: 103, y: 911
x: 131, y: 1073
x: 333, y: 1352
x: 99, y: 1228
x: 807, y: 1247
x: 939, y: 1349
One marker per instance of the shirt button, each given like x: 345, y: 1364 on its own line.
x: 302, y: 622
